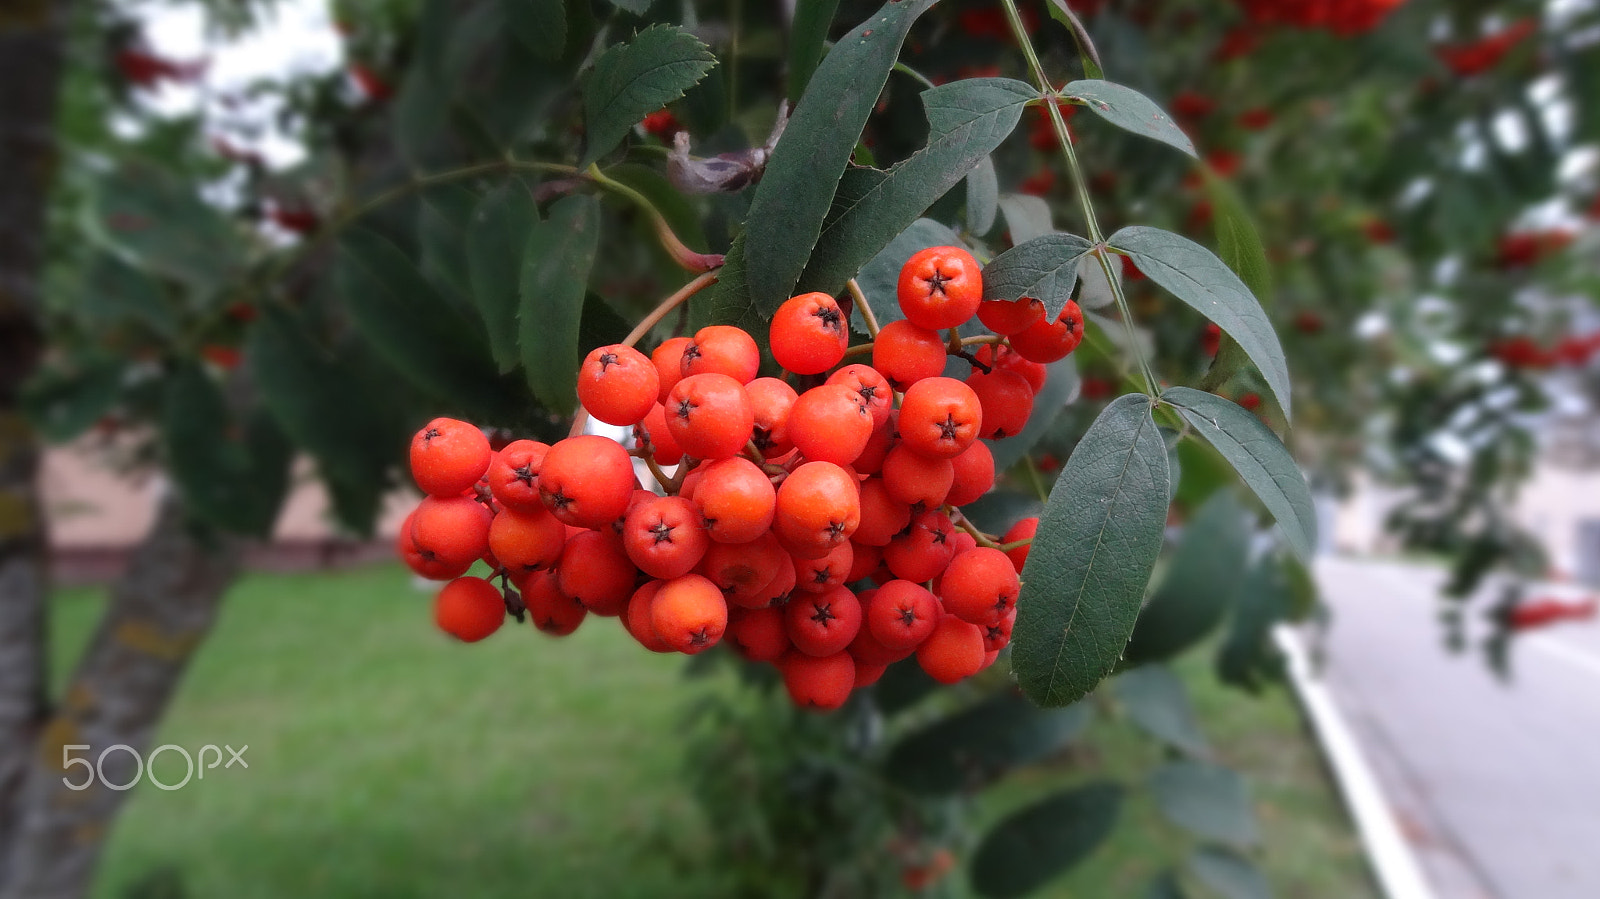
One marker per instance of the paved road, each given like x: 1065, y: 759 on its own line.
x: 1496, y: 784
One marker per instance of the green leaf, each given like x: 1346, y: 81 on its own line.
x: 983, y: 197
x: 116, y: 293
x: 1207, y: 800
x: 353, y: 435
x: 1156, y: 700
x: 1247, y: 657
x: 541, y: 25
x: 417, y: 332
x: 1238, y: 239
x: 1097, y: 542
x: 1029, y: 847
x: 807, y: 36
x: 1260, y: 458
x: 880, y: 277
x: 442, y: 225
x: 629, y: 81
x: 600, y: 325
x: 1087, y: 54
x: 233, y: 474
x: 637, y: 7
x: 1045, y: 268
x: 1165, y: 886
x: 796, y: 192
x: 1228, y: 874
x: 979, y: 744
x: 1192, y: 274
x: 555, y: 272
x: 1129, y: 110
x: 501, y: 226
x: 65, y: 397
x: 1199, y: 584
x: 1060, y: 383
x: 157, y: 222
x: 1027, y: 217
x: 967, y: 120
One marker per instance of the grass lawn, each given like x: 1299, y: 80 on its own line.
x: 386, y: 761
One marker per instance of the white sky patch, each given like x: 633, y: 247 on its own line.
x: 296, y: 39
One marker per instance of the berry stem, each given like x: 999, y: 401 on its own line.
x: 689, y: 259
x: 982, y: 338
x: 578, y: 421
x: 667, y: 305
x: 961, y: 522
x: 1035, y: 480
x: 1015, y: 544
x: 859, y: 349
x: 1058, y: 123
x: 865, y: 307
x: 655, y: 470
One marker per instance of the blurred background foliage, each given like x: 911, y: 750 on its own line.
x: 1420, y: 177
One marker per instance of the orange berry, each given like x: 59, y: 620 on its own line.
x: 1003, y: 358
x: 940, y: 287
x: 587, y: 481
x: 1006, y: 400
x: 689, y: 614
x: 770, y: 403
x: 469, y: 609
x: 954, y: 650
x: 830, y: 424
x: 448, y: 457
x: 905, y: 354
x: 527, y: 541
x: 939, y: 417
x: 1022, y: 530
x: 618, y: 385
x: 1046, y: 341
x: 425, y: 564
x: 980, y: 586
x: 818, y: 507
x: 818, y: 683
x: 550, y: 610
x: 710, y: 415
x: 653, y: 432
x: 882, y: 516
x: 451, y: 531
x: 637, y: 617
x: 745, y: 571
x: 913, y: 478
x: 596, y: 572
x: 902, y: 615
x: 723, y: 349
x: 514, y: 475
x: 1009, y: 316
x: 822, y: 574
x: 922, y: 552
x: 758, y: 634
x: 973, y: 472
x: 821, y: 624
x: 736, y: 500
x: 663, y: 536
x: 809, y: 334
x: 870, y: 386
x: 668, y: 360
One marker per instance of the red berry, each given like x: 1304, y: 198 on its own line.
x: 980, y: 586
x: 809, y: 334
x: 1009, y: 316
x: 596, y: 572
x: 905, y: 354
x: 821, y: 624
x: 923, y: 551
x: 689, y: 614
x: 973, y: 472
x: 448, y: 457
x: 1006, y: 400
x: 451, y: 531
x: 550, y: 610
x: 618, y: 385
x: 902, y: 615
x: 914, y: 479
x: 1046, y: 341
x: 587, y: 481
x: 527, y: 541
x: 830, y: 424
x: 736, y: 500
x: 940, y: 417
x: 710, y: 415
x: 953, y: 651
x: 818, y: 683
x: 469, y: 609
x: 758, y: 634
x: 514, y: 475
x: 668, y: 360
x: 723, y: 349
x: 940, y: 287
x: 771, y: 400
x: 1022, y: 530
x: 663, y: 536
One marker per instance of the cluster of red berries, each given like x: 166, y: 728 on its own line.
x: 1524, y: 352
x: 1343, y: 17
x: 779, y: 499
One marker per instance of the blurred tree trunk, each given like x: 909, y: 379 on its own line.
x: 32, y: 38
x: 160, y: 612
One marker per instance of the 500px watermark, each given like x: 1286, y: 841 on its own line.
x: 145, y: 765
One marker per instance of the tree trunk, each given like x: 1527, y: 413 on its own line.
x: 160, y: 612
x: 31, y: 50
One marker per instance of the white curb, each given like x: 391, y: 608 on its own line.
x: 1396, y: 868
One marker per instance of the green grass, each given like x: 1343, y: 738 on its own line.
x: 386, y: 761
